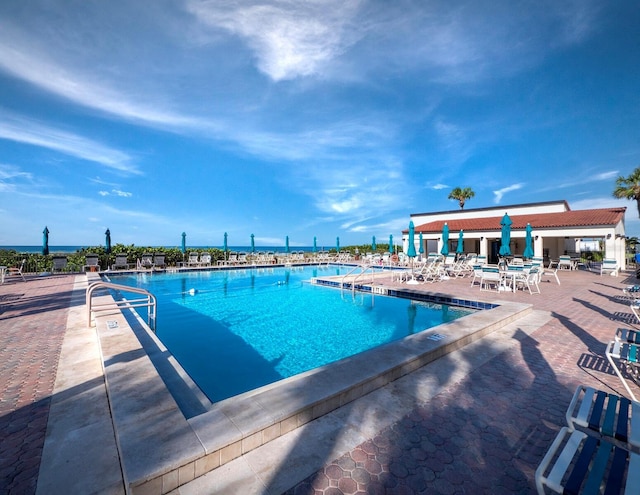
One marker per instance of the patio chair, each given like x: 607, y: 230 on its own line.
x: 59, y: 264
x: 609, y: 266
x: 193, y: 259
x: 491, y: 278
x: 565, y: 263
x: 624, y: 355
x: 91, y: 263
x: 205, y: 259
x: 14, y: 271
x: 528, y: 280
x: 121, y: 262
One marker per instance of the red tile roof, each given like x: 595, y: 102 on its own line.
x: 577, y: 218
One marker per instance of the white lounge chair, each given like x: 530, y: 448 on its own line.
x: 146, y: 263
x: 205, y: 259
x: 624, y: 355
x: 193, y: 259
x: 491, y: 278
x: 565, y: 263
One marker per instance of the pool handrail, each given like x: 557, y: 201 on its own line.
x: 364, y: 268
x: 149, y: 301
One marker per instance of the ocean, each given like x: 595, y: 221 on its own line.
x: 73, y: 249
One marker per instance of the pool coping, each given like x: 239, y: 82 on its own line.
x: 160, y: 449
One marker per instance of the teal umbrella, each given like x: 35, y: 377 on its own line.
x: 391, y: 243
x: 286, y: 244
x: 411, y: 249
x: 460, y: 248
x: 224, y: 247
x: 183, y: 247
x: 253, y: 244
x: 373, y: 244
x: 421, y: 249
x: 45, y: 241
x: 445, y: 240
x: 528, y: 250
x: 506, y: 222
x: 337, y: 244
x: 107, y: 241
x: 315, y: 244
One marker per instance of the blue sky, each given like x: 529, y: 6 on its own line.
x: 306, y: 118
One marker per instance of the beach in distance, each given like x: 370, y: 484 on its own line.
x: 73, y: 249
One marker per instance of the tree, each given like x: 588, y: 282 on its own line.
x: 462, y: 195
x: 629, y: 188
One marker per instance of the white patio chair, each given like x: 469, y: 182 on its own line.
x: 609, y: 266
x: 13, y: 271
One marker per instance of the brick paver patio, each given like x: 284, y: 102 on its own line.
x: 485, y: 434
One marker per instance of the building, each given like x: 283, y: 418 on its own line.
x: 557, y: 230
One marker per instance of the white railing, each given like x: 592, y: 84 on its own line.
x: 149, y: 301
x: 364, y: 269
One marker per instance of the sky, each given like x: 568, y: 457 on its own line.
x: 306, y: 118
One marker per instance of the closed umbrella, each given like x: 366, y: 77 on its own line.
x: 528, y: 249
x: 506, y: 222
x: 421, y: 248
x: 315, y: 244
x: 286, y: 244
x: 253, y: 244
x: 391, y: 250
x: 224, y: 247
x: 445, y: 240
x: 107, y: 241
x: 183, y: 247
x: 460, y: 248
x: 337, y: 244
x: 411, y: 250
x: 373, y: 244
x: 45, y: 241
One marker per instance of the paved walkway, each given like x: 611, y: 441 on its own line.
x: 485, y: 432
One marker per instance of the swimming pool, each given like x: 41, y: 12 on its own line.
x: 236, y: 330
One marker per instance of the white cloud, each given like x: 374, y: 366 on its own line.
x: 32, y: 132
x: 501, y: 192
x: 291, y: 38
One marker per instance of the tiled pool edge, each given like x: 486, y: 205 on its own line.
x: 161, y: 450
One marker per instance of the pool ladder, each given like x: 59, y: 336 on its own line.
x: 149, y: 301
x: 364, y: 269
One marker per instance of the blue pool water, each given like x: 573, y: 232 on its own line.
x: 236, y: 330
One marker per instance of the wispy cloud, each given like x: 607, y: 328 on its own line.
x: 501, y: 192
x: 11, y: 175
x: 29, y: 131
x: 116, y: 192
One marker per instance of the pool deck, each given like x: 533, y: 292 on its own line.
x: 477, y: 420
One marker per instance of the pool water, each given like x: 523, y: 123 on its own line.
x: 236, y: 330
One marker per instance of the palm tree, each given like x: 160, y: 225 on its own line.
x: 461, y: 195
x: 629, y: 188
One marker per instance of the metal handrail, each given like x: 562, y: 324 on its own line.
x: 149, y: 301
x: 364, y: 269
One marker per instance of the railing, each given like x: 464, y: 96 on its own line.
x: 149, y: 301
x: 364, y: 269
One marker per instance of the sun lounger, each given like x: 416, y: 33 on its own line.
x: 158, y: 261
x: 59, y: 264
x: 146, y: 263
x: 193, y: 259
x: 91, y: 263
x: 205, y: 259
x: 605, y: 414
x: 121, y: 262
x: 624, y: 355
x: 580, y: 463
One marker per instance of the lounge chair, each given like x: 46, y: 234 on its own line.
x: 158, y: 261
x: 14, y: 272
x: 205, y: 259
x: 121, y: 263
x: 528, y: 279
x: 146, y: 263
x: 597, y: 450
x: 193, y: 259
x: 624, y: 355
x: 91, y: 263
x: 565, y: 263
x: 59, y: 264
x: 609, y: 266
x: 584, y: 464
